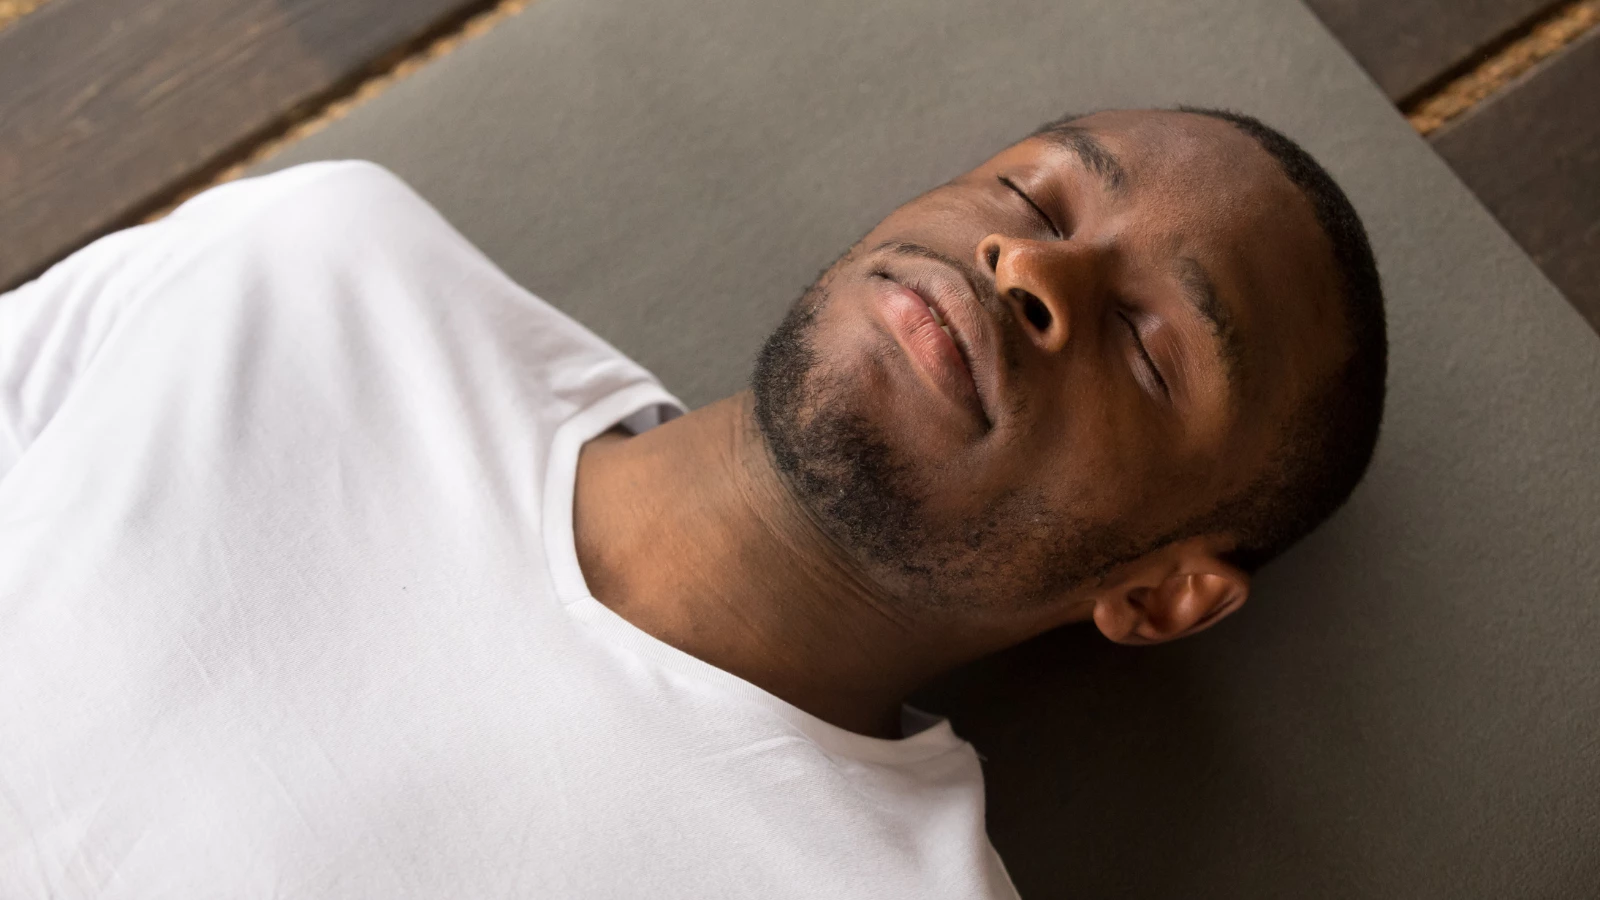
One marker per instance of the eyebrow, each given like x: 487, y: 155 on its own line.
x: 1093, y: 154
x: 1201, y: 292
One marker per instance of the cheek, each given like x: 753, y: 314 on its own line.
x: 1093, y: 453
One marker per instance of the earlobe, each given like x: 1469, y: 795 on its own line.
x: 1118, y: 617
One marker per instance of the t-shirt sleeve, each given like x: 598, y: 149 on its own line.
x: 51, y: 327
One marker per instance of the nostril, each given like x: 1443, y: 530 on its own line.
x: 992, y: 255
x: 1033, y: 308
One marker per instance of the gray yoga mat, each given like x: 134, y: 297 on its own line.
x: 1410, y: 705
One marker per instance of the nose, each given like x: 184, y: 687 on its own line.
x: 1042, y: 281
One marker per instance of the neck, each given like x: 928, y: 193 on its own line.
x: 688, y: 532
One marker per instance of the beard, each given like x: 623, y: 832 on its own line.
x: 831, y: 458
x: 1016, y: 551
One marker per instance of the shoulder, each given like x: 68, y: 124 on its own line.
x: 312, y: 184
x: 311, y: 203
x: 326, y: 224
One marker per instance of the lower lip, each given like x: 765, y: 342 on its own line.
x: 931, y: 350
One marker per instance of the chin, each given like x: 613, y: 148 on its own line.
x: 849, y: 448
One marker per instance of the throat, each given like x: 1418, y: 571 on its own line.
x: 676, y: 534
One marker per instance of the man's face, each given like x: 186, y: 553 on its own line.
x: 1132, y: 313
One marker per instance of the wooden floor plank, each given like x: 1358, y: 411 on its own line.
x: 1406, y: 44
x: 1532, y: 155
x: 12, y: 10
x: 110, y: 107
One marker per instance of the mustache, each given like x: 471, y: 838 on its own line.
x: 982, y: 288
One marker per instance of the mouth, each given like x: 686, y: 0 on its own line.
x: 939, y: 347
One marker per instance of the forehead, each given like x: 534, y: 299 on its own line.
x: 1170, y: 155
x: 1198, y: 187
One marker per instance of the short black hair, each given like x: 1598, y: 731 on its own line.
x: 1326, y: 446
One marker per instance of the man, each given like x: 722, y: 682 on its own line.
x: 338, y: 565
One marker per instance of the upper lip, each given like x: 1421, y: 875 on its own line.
x: 950, y: 293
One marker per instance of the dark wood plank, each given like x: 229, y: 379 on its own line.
x: 1532, y: 155
x: 1406, y: 44
x: 110, y: 107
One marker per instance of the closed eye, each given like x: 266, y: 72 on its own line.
x: 1029, y: 200
x: 1144, y: 354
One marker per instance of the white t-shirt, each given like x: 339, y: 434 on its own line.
x: 289, y: 605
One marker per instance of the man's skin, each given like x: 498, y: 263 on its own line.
x: 693, y: 532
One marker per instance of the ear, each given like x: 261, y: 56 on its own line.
x: 1179, y: 590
